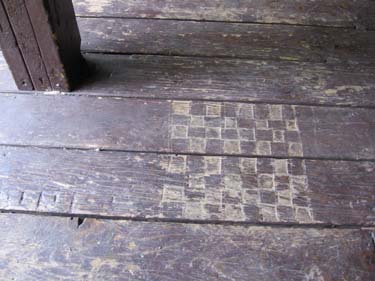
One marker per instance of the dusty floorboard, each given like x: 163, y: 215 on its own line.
x: 213, y: 128
x: 64, y: 249
x: 230, y: 79
x: 223, y: 79
x: 338, y: 13
x: 115, y: 184
x: 186, y: 38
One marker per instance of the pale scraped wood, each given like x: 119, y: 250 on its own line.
x: 6, y: 80
x: 342, y: 13
x: 216, y: 128
x: 47, y: 248
x: 253, y: 190
x: 279, y: 42
x: 230, y: 79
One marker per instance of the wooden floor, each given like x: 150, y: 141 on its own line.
x: 231, y: 142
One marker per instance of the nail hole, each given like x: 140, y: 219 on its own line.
x: 80, y: 222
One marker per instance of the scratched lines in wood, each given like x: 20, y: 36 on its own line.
x: 39, y: 248
x: 230, y: 128
x: 117, y: 184
x: 172, y: 127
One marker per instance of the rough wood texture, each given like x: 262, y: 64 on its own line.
x: 28, y: 44
x: 256, y: 190
x: 227, y: 40
x: 51, y: 55
x: 13, y: 54
x: 218, y: 128
x: 56, y: 30
x: 230, y: 79
x: 45, y: 248
x: 223, y: 79
x: 339, y: 13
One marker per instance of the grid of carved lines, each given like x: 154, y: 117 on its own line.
x: 240, y: 189
x: 233, y: 128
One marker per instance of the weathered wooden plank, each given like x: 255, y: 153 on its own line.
x: 47, y: 53
x: 60, y: 50
x: 217, y: 128
x: 339, y: 13
x: 230, y: 79
x: 137, y: 185
x: 302, y: 43
x: 27, y: 42
x: 12, y: 53
x: 48, y: 248
x: 223, y: 79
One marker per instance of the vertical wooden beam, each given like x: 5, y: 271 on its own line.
x: 48, y: 38
x: 12, y: 53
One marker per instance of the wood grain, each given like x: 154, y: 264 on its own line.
x: 13, y: 54
x: 216, y: 128
x: 339, y: 13
x: 47, y: 248
x: 60, y: 49
x: 28, y: 44
x: 170, y: 187
x: 187, y: 38
x: 223, y: 79
x: 230, y: 79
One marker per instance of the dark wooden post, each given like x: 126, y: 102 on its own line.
x: 41, y: 43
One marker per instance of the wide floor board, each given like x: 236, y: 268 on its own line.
x: 254, y: 41
x: 135, y: 185
x: 188, y: 127
x: 230, y: 79
x: 338, y: 13
x: 223, y: 79
x: 64, y: 249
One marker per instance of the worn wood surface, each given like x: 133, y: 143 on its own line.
x: 28, y: 44
x: 339, y: 13
x: 259, y: 41
x: 216, y: 128
x: 170, y: 187
x: 223, y: 79
x: 13, y: 54
x: 56, y: 31
x: 47, y: 52
x: 230, y: 79
x: 65, y: 249
x: 270, y: 120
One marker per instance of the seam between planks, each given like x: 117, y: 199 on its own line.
x: 98, y: 95
x: 355, y: 27
x: 100, y: 149
x: 194, y: 222
x: 170, y: 54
